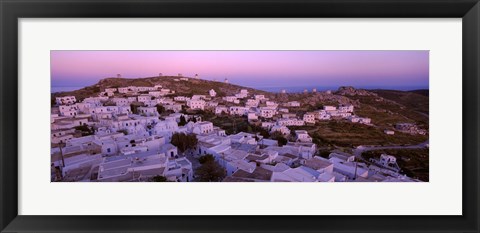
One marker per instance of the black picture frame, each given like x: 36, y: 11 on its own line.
x: 11, y: 11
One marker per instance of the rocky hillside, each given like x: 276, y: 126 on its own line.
x: 181, y: 87
x: 385, y: 107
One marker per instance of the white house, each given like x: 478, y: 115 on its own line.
x: 243, y: 94
x: 121, y: 101
x: 320, y: 164
x: 196, y: 104
x: 165, y: 127
x: 204, y: 127
x: 361, y: 120
x: 329, y: 108
x: 309, y: 117
x: 68, y: 110
x: 173, y: 107
x: 212, y: 104
x: 123, y: 90
x: 252, y: 103
x: 389, y: 132
x: 221, y: 109
x: 144, y: 98
x: 230, y: 98
x: 238, y: 110
x: 293, y: 104
x: 212, y: 93
x: 155, y: 93
x: 345, y: 108
x: 389, y: 161
x: 65, y: 100
x: 282, y: 129
x: 169, y: 150
x: 302, y: 136
x: 271, y: 104
x: 251, y: 116
x: 259, y: 97
x: 198, y: 97
x: 148, y: 111
x: 180, y: 98
x: 179, y: 170
x: 165, y: 91
x: 267, y: 112
x: 110, y: 89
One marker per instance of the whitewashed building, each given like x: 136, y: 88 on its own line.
x: 212, y: 93
x: 148, y: 111
x: 309, y: 117
x: 65, y: 100
x: 302, y: 136
x: 267, y: 112
x: 196, y: 104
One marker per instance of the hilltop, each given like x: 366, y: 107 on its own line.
x: 384, y: 107
x: 416, y: 100
x: 193, y: 86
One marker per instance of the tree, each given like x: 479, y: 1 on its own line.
x: 184, y: 141
x: 182, y: 121
x: 160, y: 109
x: 159, y: 179
x: 280, y: 138
x: 257, y: 129
x: 210, y: 171
x: 134, y: 107
x: 85, y: 130
x: 282, y: 141
x: 124, y: 131
x: 206, y: 159
x: 293, y: 133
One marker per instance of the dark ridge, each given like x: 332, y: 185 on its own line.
x: 424, y: 92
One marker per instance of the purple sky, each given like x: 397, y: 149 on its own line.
x: 367, y: 69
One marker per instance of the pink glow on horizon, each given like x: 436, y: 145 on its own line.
x: 258, y: 67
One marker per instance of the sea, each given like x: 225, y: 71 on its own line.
x: 295, y: 89
x: 309, y: 88
x: 54, y: 89
x: 274, y: 89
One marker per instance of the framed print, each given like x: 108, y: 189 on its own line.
x: 239, y: 116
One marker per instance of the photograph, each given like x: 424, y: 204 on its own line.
x: 239, y: 115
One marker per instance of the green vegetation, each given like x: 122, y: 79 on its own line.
x: 206, y: 159
x: 282, y: 141
x: 184, y: 141
x: 385, y: 110
x: 188, y: 88
x: 85, y: 130
x: 346, y: 134
x: 160, y: 109
x: 182, y: 121
x: 210, y: 170
x: 124, y: 131
x: 413, y: 162
x: 388, y: 112
x: 134, y: 107
x: 159, y: 179
x: 414, y: 100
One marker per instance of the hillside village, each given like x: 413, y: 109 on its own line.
x: 216, y: 131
